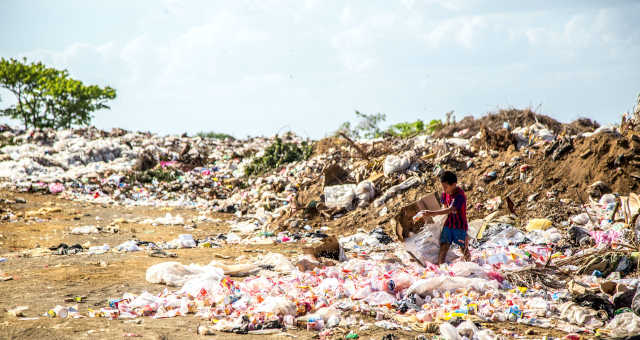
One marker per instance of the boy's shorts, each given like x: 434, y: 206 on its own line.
x: 453, y: 235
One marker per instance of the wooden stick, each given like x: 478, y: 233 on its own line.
x: 352, y: 143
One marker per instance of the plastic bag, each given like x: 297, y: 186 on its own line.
x: 278, y: 305
x: 425, y: 245
x: 95, y: 250
x: 130, y: 245
x: 84, y: 230
x: 394, y: 190
x: 279, y: 262
x: 486, y: 334
x: 579, y: 315
x: 538, y: 224
x: 365, y: 191
x: 340, y: 196
x: 469, y: 269
x: 423, y: 287
x: 581, y: 219
x: 624, y: 325
x: 380, y: 298
x: 474, y: 228
x: 183, y: 241
x: 607, y: 199
x: 244, y: 227
x: 176, y: 274
x: 467, y: 329
x: 448, y: 332
x: 395, y: 163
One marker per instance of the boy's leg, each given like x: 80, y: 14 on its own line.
x: 445, y: 242
x: 442, y: 255
x: 465, y: 249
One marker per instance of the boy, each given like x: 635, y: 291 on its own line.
x: 455, y: 227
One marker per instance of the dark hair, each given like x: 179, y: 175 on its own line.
x: 448, y: 177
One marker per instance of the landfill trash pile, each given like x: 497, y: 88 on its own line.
x: 553, y: 227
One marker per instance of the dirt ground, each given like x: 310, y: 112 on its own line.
x: 44, y: 281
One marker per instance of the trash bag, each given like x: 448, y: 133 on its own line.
x: 424, y: 286
x: 176, y: 274
x: 395, y: 163
x: 278, y: 305
x: 425, y: 245
x: 623, y: 325
x: 448, y: 332
x: 595, y: 301
x: 623, y: 299
x: 579, y: 237
x: 396, y: 189
x: 467, y: 329
x: 365, y: 191
x: 380, y: 298
x: 340, y: 196
x: 579, y: 315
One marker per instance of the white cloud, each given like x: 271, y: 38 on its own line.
x: 254, y: 66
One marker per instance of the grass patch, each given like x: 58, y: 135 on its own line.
x: 278, y: 154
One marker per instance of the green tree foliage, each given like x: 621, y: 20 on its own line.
x: 49, y: 98
x: 278, y: 154
x: 406, y: 129
x: 367, y: 127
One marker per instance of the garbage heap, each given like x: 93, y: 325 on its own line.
x: 553, y: 225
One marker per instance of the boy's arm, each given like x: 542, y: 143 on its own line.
x: 443, y: 211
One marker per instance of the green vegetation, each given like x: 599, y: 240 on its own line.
x: 405, y: 129
x: 49, y: 98
x: 369, y: 127
x: 214, y: 135
x: 278, y: 154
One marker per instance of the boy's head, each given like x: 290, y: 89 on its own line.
x: 449, y: 181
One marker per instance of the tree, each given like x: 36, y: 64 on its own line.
x: 367, y: 127
x: 49, y: 98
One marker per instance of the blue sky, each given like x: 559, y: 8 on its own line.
x: 260, y: 67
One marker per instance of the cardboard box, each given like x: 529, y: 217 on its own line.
x: 404, y: 219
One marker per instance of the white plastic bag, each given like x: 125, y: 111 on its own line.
x: 469, y: 269
x: 623, y: 325
x: 579, y: 315
x: 130, y: 245
x: 425, y: 245
x: 380, y: 298
x: 395, y: 163
x: 365, y: 191
x: 279, y: 262
x: 340, y: 196
x: 467, y: 329
x: 423, y: 287
x: 176, y: 274
x: 448, y: 332
x: 277, y: 305
x: 394, y: 190
x: 85, y: 230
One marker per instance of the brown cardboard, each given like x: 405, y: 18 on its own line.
x: 404, y: 219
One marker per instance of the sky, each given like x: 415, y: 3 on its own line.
x: 261, y: 67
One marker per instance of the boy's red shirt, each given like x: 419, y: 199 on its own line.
x: 457, y: 219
